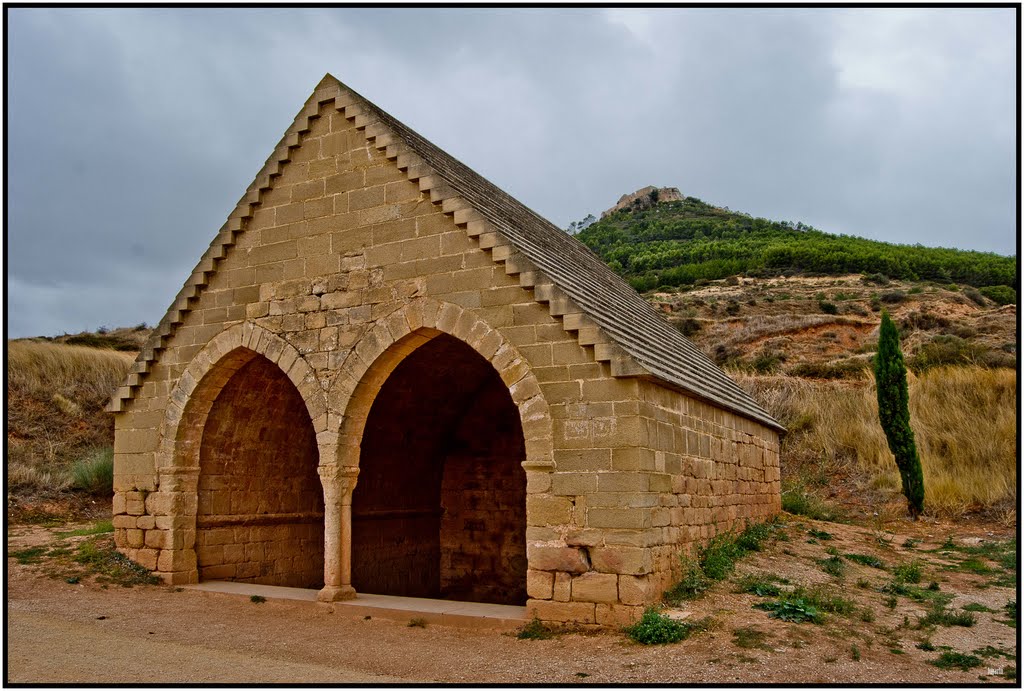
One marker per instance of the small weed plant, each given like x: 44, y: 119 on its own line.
x: 760, y: 584
x: 866, y: 560
x: 833, y: 566
x: 907, y: 573
x: 257, y: 599
x: 955, y: 660
x: 716, y: 560
x: 99, y: 556
x: 796, y: 610
x: 750, y: 637
x: 535, y: 630
x: 417, y: 623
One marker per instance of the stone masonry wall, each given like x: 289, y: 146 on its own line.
x: 483, y: 501
x: 343, y: 240
x: 260, y: 508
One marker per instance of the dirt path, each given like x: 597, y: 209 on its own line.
x: 61, y: 632
x: 39, y: 652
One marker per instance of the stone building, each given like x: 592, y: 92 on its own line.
x: 523, y: 426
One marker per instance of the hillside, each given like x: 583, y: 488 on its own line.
x: 783, y: 308
x: 680, y: 243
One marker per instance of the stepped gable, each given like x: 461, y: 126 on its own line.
x: 639, y: 341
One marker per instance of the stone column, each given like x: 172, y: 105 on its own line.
x: 339, y: 483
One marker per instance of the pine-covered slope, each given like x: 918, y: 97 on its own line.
x: 678, y: 243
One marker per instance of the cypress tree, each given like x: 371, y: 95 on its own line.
x: 894, y: 413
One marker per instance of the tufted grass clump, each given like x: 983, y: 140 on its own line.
x: 94, y: 472
x: 939, y: 615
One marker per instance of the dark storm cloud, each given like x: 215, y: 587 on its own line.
x: 133, y: 132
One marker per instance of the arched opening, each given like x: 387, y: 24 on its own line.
x: 260, y: 502
x: 440, y: 507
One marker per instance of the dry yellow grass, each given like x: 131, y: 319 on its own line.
x: 55, y: 399
x: 964, y: 420
x: 62, y: 369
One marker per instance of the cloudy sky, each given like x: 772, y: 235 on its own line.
x: 133, y: 132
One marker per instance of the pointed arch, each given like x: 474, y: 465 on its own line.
x: 396, y: 336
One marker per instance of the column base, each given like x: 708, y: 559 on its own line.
x: 336, y: 593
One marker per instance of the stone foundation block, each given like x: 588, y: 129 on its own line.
x: 556, y: 558
x: 147, y: 558
x: 177, y: 560
x: 566, y: 612
x: 178, y: 577
x: 548, y: 510
x: 617, y: 615
x: 155, y: 539
x: 595, y: 587
x: 539, y: 584
x: 636, y: 590
x: 623, y: 560
x: 562, y: 587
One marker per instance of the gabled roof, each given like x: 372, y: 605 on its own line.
x: 590, y: 298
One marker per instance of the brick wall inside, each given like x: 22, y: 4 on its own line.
x: 439, y: 509
x: 260, y: 505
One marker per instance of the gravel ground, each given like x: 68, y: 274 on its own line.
x: 76, y: 633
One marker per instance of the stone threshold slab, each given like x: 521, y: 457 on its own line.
x: 445, y: 612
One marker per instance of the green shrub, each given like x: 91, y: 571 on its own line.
x: 718, y: 556
x: 852, y: 368
x: 876, y: 279
x: 688, y: 326
x: 1001, y: 295
x: 828, y: 307
x: 892, y: 297
x: 767, y: 361
x: 654, y: 628
x: 752, y: 539
x: 947, y: 349
x: 975, y: 296
x: 95, y: 472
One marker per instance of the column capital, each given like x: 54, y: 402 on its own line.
x: 340, y: 478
